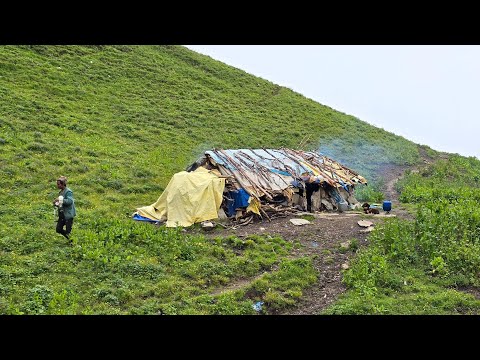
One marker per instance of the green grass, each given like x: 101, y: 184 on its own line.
x: 408, y: 293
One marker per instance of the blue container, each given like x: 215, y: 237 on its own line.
x: 387, y: 205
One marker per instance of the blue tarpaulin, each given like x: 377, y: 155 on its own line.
x: 239, y: 198
x: 142, y: 218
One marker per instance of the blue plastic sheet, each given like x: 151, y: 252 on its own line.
x: 142, y: 218
x: 238, y: 198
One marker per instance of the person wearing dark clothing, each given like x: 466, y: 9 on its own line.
x: 310, y: 188
x: 66, y: 207
x: 312, y: 184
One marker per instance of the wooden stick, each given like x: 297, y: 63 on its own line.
x: 240, y: 170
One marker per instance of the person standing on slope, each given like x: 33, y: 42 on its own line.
x: 66, y: 207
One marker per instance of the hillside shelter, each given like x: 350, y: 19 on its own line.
x: 242, y: 184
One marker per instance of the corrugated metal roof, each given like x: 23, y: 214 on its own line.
x: 266, y: 171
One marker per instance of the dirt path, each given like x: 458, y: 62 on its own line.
x: 322, y: 240
x: 391, y: 174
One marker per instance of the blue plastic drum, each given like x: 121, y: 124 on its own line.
x: 387, y: 205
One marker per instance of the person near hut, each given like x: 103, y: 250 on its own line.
x: 312, y: 184
x: 66, y: 208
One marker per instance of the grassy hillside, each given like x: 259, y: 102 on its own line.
x: 119, y: 121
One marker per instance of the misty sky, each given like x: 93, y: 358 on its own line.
x: 428, y: 94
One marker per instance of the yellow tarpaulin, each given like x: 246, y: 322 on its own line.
x: 190, y: 197
x: 254, y: 205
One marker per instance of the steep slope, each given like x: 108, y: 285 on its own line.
x: 125, y: 118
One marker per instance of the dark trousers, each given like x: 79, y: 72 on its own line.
x: 310, y: 189
x: 64, y: 222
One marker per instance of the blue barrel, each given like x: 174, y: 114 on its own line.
x: 387, y: 205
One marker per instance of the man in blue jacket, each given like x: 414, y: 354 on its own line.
x: 66, y: 207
